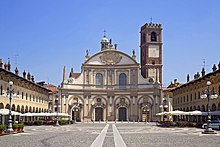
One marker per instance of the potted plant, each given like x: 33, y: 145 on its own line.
x: 15, y: 127
x: 2, y: 129
x: 20, y: 127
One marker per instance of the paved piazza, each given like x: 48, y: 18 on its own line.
x: 109, y: 135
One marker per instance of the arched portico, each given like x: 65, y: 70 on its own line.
x: 75, y: 109
x: 145, y: 110
x: 122, y: 108
x: 76, y: 112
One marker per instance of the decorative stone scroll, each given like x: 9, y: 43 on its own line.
x: 110, y: 58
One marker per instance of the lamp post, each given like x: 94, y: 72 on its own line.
x: 164, y: 107
x: 209, y: 95
x: 10, y: 92
x: 56, y: 106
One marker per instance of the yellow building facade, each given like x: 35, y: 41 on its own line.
x: 28, y: 96
x: 187, y: 97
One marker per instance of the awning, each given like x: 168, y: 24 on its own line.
x: 6, y: 112
x: 46, y: 114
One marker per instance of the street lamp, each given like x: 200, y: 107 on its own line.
x: 164, y: 107
x: 10, y: 92
x: 56, y: 106
x: 210, y: 95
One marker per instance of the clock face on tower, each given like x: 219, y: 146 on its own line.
x: 153, y: 51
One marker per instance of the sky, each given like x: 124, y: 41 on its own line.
x: 43, y: 36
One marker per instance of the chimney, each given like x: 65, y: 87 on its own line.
x: 29, y: 76
x: 197, y: 75
x: 187, y: 79
x: 9, y: 65
x: 214, y: 68
x: 71, y: 73
x: 175, y: 82
x: 32, y: 78
x: 16, y: 71
x: 1, y: 63
x: 24, y: 74
x: 203, y: 71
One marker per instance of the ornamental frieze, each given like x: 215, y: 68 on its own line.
x: 110, y: 58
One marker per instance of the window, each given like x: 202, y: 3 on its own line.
x: 195, y: 96
x: 30, y: 97
x: 198, y: 95
x: 22, y: 95
x: 153, y: 36
x: 122, y: 81
x: 26, y: 96
x: 1, y: 90
x: 187, y: 98
x: 33, y: 98
x: 191, y: 97
x: 99, y: 79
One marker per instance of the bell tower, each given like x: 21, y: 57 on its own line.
x: 151, y: 51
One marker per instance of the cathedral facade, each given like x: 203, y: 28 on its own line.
x: 111, y: 85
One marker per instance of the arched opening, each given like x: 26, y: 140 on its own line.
x: 30, y: 109
x: 1, y: 106
x: 13, y: 107
x: 26, y: 109
x: 98, y: 114
x: 122, y: 114
x: 7, y: 106
x: 22, y: 109
x: 18, y: 108
x: 203, y: 108
x: 153, y: 36
x: 122, y: 81
x: 213, y: 107
x: 99, y: 80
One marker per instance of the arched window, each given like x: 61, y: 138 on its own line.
x: 99, y: 79
x: 213, y: 107
x: 122, y: 81
x: 153, y: 36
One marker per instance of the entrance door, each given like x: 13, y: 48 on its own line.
x: 122, y: 114
x: 98, y: 114
x: 76, y: 114
x: 145, y: 116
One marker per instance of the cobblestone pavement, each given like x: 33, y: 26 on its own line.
x: 132, y: 134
